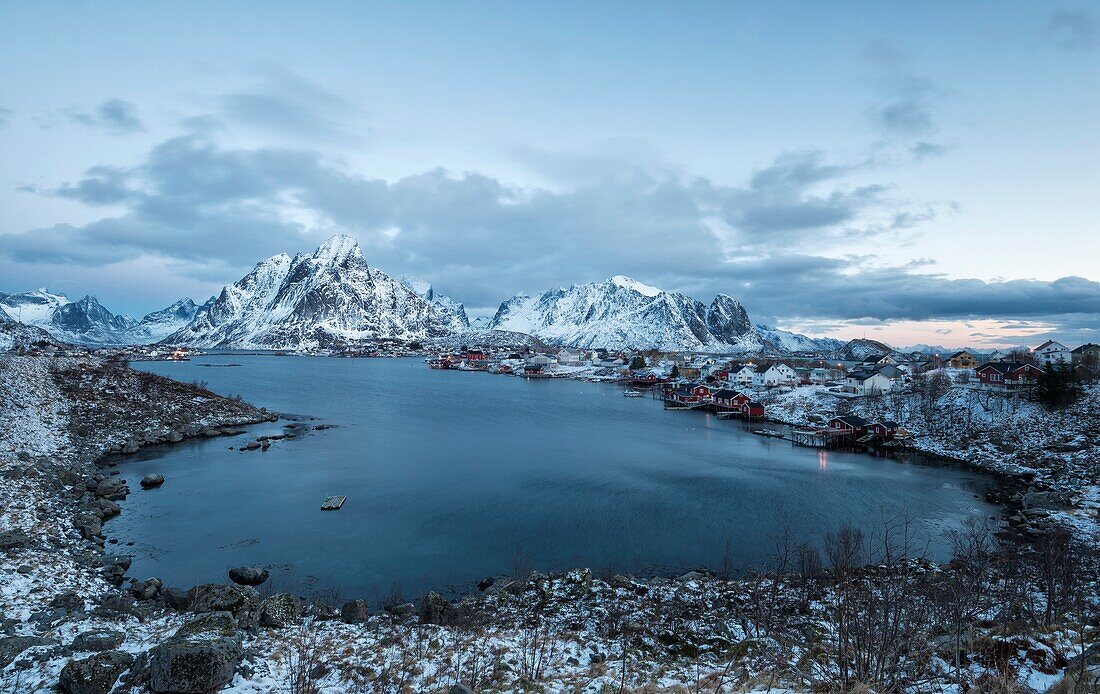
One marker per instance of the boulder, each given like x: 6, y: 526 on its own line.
x: 96, y: 674
x: 354, y: 612
x: 436, y: 609
x: 153, y: 480
x: 98, y: 640
x: 14, y: 539
x: 201, y: 657
x: 280, y: 610
x: 89, y: 526
x: 460, y: 689
x: 148, y: 589
x: 248, y: 575
x: 12, y: 646
x: 113, y: 489
x: 176, y: 599
x: 240, y: 601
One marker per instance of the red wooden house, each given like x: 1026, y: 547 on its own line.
x: 1008, y: 374
x: 752, y: 409
x: 701, y: 392
x: 727, y: 397
x: 884, y: 430
x: 849, y: 423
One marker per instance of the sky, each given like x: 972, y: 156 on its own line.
x: 913, y: 173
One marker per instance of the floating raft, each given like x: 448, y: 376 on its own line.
x: 333, y: 503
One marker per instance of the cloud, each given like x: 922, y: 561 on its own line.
x: 1074, y: 29
x: 209, y: 212
x: 116, y: 116
x: 5, y: 116
x: 283, y: 103
x: 907, y: 109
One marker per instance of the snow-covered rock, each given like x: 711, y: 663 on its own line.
x: 862, y: 348
x: 158, y: 325
x: 447, y: 306
x: 327, y: 299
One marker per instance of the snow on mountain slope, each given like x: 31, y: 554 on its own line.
x: 326, y: 299
x: 622, y: 313
x: 33, y: 308
x: 786, y: 341
x: 158, y: 325
x: 862, y: 348
x: 446, y: 305
x: 82, y: 322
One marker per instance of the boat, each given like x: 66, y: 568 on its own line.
x: 631, y: 393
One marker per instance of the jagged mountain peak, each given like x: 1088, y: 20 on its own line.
x: 339, y: 250
x: 632, y: 284
x: 324, y: 299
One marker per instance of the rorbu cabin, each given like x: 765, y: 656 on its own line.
x: 884, y: 431
x: 849, y: 424
x: 752, y: 410
x: 727, y: 397
x: 701, y: 392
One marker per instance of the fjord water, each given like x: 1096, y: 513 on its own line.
x: 454, y: 476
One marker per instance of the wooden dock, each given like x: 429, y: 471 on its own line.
x: 333, y: 503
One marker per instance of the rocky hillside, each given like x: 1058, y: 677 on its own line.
x: 330, y: 298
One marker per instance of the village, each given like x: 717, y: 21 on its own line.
x: 743, y: 388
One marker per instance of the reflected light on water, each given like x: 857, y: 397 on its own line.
x: 822, y: 459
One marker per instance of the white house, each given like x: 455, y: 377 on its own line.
x: 866, y: 382
x: 1051, y: 352
x: 572, y: 357
x: 744, y: 375
x: 771, y: 374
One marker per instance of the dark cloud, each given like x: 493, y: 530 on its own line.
x: 1074, y: 29
x: 116, y: 116
x: 210, y: 212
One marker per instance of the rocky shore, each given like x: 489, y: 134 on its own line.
x: 1016, y: 610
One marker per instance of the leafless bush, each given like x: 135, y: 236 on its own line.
x: 304, y: 657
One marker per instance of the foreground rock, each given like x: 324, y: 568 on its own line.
x: 151, y: 481
x: 239, y: 601
x: 200, y: 657
x: 248, y: 575
x: 280, y: 610
x: 96, y: 674
x: 354, y: 612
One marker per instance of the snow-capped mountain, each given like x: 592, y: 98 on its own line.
x: 329, y: 298
x: 88, y: 322
x: 786, y: 341
x: 622, y: 313
x: 446, y: 305
x: 862, y: 348
x: 158, y: 325
x: 16, y: 335
x: 83, y: 322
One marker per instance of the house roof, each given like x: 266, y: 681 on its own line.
x: 1005, y: 367
x: 726, y: 394
x: 1049, y: 343
x: 963, y: 353
x: 889, y: 424
x: 852, y: 421
x: 1085, y: 348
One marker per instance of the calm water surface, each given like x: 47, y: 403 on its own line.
x: 454, y: 476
